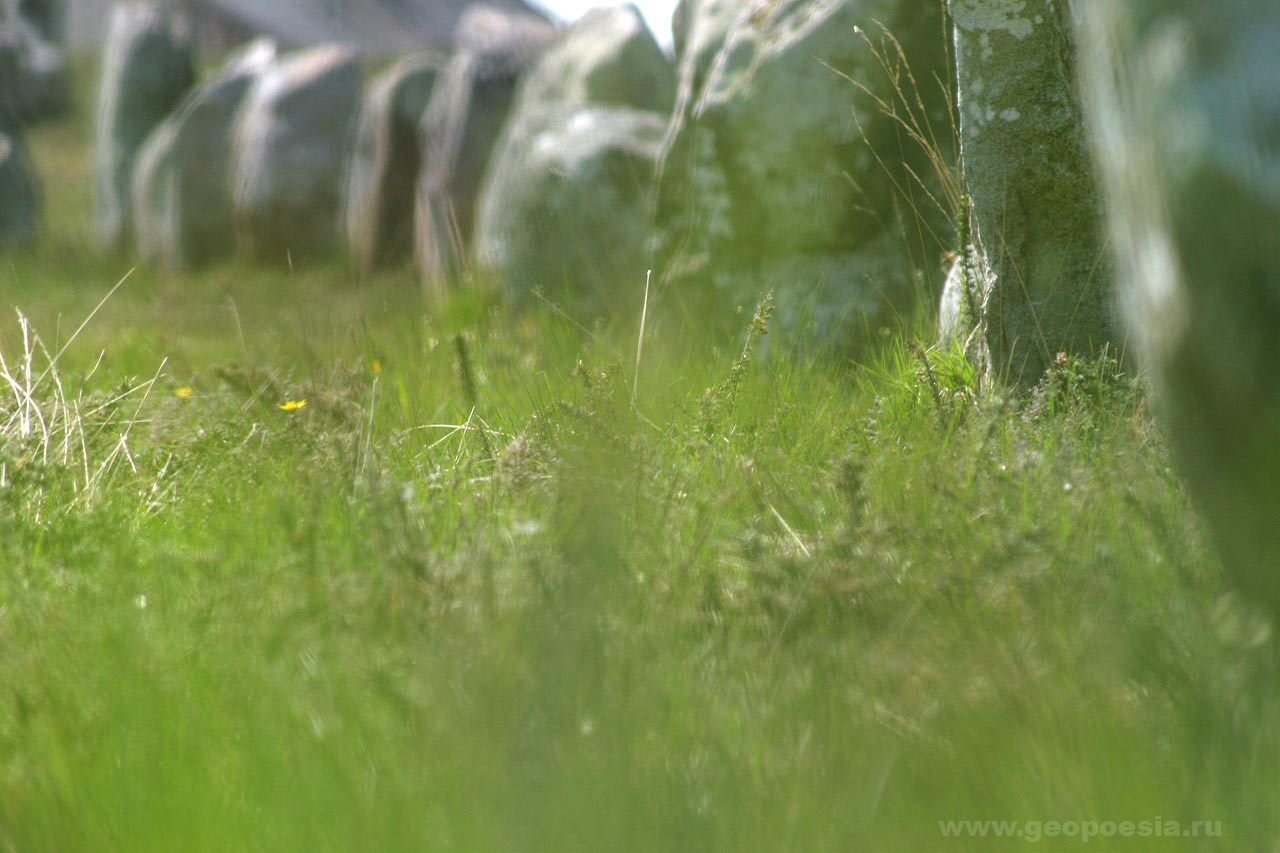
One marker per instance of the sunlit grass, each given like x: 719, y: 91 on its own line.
x: 583, y: 595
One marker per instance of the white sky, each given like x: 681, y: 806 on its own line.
x: 656, y: 12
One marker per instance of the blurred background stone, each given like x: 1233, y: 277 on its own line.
x: 387, y: 162
x: 467, y: 113
x: 291, y: 148
x: 183, y: 211
x: 147, y: 68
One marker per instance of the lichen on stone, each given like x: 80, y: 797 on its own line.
x: 1008, y: 16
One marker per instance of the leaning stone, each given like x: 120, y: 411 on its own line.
x: 147, y: 68
x: 1035, y: 244
x: 182, y: 207
x: 467, y: 113
x: 567, y: 203
x: 292, y: 145
x: 1184, y: 99
x: 387, y: 163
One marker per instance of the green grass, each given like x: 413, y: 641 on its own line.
x: 773, y: 605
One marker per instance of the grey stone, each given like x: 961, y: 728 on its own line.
x: 782, y: 172
x: 567, y: 200
x: 608, y: 57
x: 467, y: 113
x: 566, y: 205
x: 19, y: 189
x: 292, y: 145
x: 1035, y: 251
x: 699, y: 28
x: 1184, y: 101
x: 146, y: 70
x: 183, y: 211
x: 387, y: 162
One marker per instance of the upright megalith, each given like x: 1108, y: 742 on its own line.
x: 567, y: 200
x: 147, y: 68
x: 699, y: 28
x: 183, y: 213
x: 567, y: 204
x: 19, y: 190
x: 387, y: 162
x: 1184, y: 100
x: 1036, y: 278
x: 467, y: 113
x: 291, y: 148
x: 783, y: 168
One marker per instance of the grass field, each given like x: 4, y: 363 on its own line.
x: 553, y: 601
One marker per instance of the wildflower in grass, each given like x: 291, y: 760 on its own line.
x: 292, y: 405
x: 184, y: 392
x: 375, y: 367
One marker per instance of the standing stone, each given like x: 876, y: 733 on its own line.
x: 608, y: 57
x: 782, y: 173
x: 291, y: 149
x: 182, y: 206
x: 1034, y: 264
x: 19, y: 190
x: 1184, y: 98
x: 567, y: 205
x: 467, y: 113
x: 146, y: 69
x: 699, y: 28
x: 387, y: 163
x: 567, y: 201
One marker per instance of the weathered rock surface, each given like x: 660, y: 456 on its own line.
x: 183, y: 211
x: 699, y: 28
x: 779, y: 172
x: 387, y: 163
x: 608, y: 57
x: 292, y: 145
x: 468, y: 110
x: 567, y: 202
x: 147, y: 68
x: 1035, y: 258
x: 19, y: 190
x: 1185, y: 104
x: 35, y: 77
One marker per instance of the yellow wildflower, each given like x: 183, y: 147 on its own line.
x: 184, y: 392
x: 292, y: 405
x: 375, y: 366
